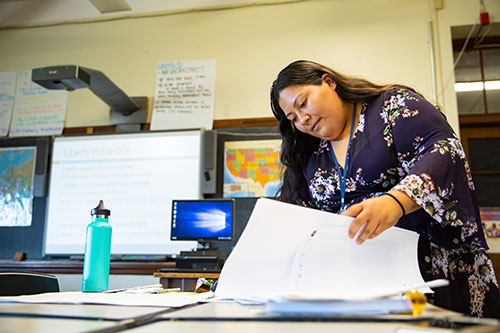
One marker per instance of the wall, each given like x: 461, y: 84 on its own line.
x: 250, y: 45
x: 381, y: 40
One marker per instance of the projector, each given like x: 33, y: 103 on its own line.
x: 128, y: 113
x: 66, y: 77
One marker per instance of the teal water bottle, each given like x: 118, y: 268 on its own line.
x: 97, y: 251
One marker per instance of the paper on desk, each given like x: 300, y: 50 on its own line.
x: 287, y: 249
x: 163, y: 300
x: 364, y: 307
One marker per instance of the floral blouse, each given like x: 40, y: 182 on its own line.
x: 403, y: 143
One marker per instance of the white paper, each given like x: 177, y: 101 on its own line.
x: 336, y: 307
x: 288, y: 249
x: 184, y: 95
x: 37, y: 111
x: 163, y: 300
x: 7, y: 87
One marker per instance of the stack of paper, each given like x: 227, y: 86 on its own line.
x: 290, y: 250
x: 339, y: 307
x: 76, y: 297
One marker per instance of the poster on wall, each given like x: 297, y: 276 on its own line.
x: 17, y: 172
x: 184, y: 95
x: 37, y: 111
x: 490, y: 218
x: 251, y: 168
x: 7, y: 88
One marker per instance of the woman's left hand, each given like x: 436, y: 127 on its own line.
x: 376, y: 214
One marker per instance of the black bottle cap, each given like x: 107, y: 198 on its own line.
x: 100, y: 210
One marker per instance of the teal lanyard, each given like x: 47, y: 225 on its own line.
x: 343, y: 179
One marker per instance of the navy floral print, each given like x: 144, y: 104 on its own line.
x: 403, y: 143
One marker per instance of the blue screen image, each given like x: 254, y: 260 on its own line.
x: 200, y: 219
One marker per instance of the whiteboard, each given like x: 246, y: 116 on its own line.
x: 136, y: 175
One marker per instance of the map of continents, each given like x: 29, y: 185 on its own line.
x: 16, y: 186
x: 251, y: 168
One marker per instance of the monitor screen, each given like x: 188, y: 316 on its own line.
x: 202, y: 220
x: 136, y: 175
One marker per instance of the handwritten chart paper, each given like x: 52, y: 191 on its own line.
x: 7, y: 87
x: 184, y: 95
x: 37, y: 111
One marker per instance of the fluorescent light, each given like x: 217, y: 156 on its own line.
x: 477, y: 86
x: 468, y: 86
x: 492, y: 85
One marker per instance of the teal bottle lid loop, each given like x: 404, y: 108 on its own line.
x: 100, y: 210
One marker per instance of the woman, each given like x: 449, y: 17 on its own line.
x: 385, y: 156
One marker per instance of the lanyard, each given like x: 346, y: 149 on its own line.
x: 343, y: 179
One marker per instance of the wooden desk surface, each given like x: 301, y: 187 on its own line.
x: 76, y: 266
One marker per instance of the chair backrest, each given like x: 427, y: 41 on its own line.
x: 27, y: 283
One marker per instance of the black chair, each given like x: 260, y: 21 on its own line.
x: 27, y: 283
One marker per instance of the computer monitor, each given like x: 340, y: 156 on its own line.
x: 202, y: 220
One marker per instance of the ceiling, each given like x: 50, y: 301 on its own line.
x: 459, y: 32
x: 21, y: 12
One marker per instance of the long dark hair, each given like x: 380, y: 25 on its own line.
x: 295, y: 143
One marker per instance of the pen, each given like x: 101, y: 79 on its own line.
x: 136, y: 289
x: 168, y: 290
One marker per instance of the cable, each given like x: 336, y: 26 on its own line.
x: 447, y: 82
x: 477, y: 44
x: 465, y: 45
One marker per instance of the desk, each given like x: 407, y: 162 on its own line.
x: 51, y: 325
x: 230, y: 311
x: 50, y: 318
x: 268, y: 327
x: 76, y: 311
x: 184, y: 280
x: 232, y: 317
x: 76, y: 266
x: 220, y: 317
x: 123, y: 274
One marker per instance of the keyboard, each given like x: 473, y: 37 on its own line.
x: 189, y: 270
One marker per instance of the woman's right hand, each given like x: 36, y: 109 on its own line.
x: 377, y: 215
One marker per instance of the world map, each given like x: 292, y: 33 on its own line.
x: 251, y: 168
x: 16, y: 186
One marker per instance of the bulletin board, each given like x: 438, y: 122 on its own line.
x: 490, y: 218
x: 19, y: 235
x: 246, y: 157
